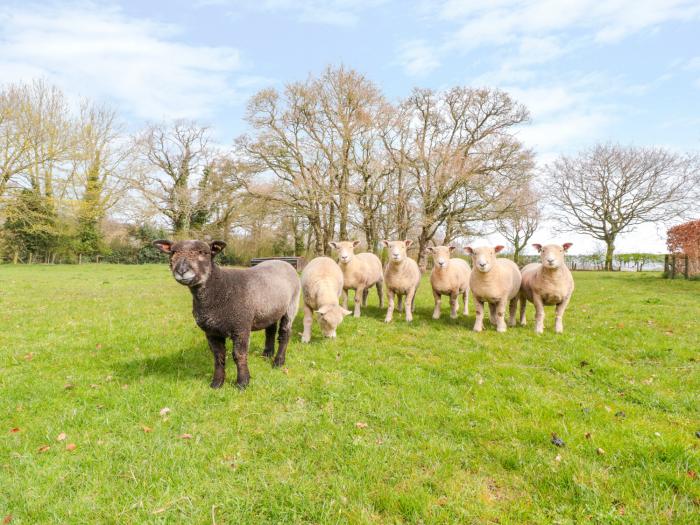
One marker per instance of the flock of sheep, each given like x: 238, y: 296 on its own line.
x: 232, y: 302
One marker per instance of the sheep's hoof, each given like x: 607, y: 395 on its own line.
x: 278, y: 363
x: 454, y: 316
x: 268, y: 354
x: 436, y: 316
x: 303, y: 340
x: 477, y: 329
x: 217, y: 383
x: 387, y: 320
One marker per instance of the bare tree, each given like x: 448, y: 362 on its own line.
x: 609, y: 189
x: 462, y: 158
x: 176, y: 172
x: 520, y: 223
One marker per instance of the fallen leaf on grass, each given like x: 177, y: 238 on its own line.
x: 600, y: 451
x: 657, y: 434
x: 185, y: 436
x: 94, y: 386
x: 98, y: 346
x: 164, y: 411
x: 621, y: 413
x: 587, y: 435
x: 692, y: 474
x: 608, y: 409
x: 124, y: 387
x: 62, y: 436
x: 160, y: 510
x: 7, y: 519
x: 14, y: 430
x: 669, y: 332
x: 146, y: 429
x: 557, y: 458
x: 648, y: 381
x: 442, y: 501
x: 71, y: 446
x: 67, y: 386
x: 620, y: 325
x: 43, y: 448
x: 361, y: 424
x: 286, y: 371
x: 29, y: 356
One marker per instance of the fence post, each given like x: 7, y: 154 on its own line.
x: 673, y: 266
x: 686, y: 266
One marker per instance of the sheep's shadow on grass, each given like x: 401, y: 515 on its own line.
x: 195, y: 363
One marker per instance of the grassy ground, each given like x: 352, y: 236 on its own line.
x: 427, y: 423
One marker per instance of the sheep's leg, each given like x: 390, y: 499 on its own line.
x: 438, y: 304
x: 409, y: 304
x: 513, y: 306
x: 454, y: 304
x: 400, y: 301
x: 218, y: 348
x: 465, y: 298
x: 359, y: 296
x: 270, y: 332
x: 365, y: 294
x: 308, y: 321
x: 492, y: 314
x: 344, y: 297
x: 285, y: 330
x: 390, y: 309
x: 501, y: 315
x: 559, y: 313
x: 523, y: 304
x: 539, y: 313
x: 380, y: 293
x: 240, y: 356
x: 479, y: 309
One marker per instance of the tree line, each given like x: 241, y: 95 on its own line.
x: 322, y: 159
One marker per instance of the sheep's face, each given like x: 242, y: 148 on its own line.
x: 345, y: 249
x: 441, y: 255
x: 397, y: 250
x: 552, y: 255
x: 330, y: 317
x: 484, y: 257
x: 190, y: 261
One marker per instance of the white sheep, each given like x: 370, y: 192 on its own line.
x: 449, y: 277
x: 547, y: 283
x: 360, y: 272
x: 321, y: 286
x: 495, y: 281
x: 402, y: 277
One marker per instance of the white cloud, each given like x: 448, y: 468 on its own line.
x: 418, y: 58
x: 99, y: 52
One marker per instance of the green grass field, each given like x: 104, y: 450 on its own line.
x: 427, y: 423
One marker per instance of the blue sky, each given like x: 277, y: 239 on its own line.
x: 620, y: 70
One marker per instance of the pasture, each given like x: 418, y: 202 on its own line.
x: 421, y: 423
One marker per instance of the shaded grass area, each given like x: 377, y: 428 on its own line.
x: 420, y: 423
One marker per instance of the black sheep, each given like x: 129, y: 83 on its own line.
x: 232, y: 302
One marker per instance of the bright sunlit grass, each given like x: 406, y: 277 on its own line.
x: 427, y: 423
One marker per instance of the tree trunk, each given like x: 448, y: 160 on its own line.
x: 422, y: 251
x: 609, y: 255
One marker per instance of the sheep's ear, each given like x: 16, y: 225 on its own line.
x: 346, y: 312
x: 323, y: 310
x: 408, y: 243
x: 469, y: 250
x: 537, y: 247
x: 430, y: 249
x: 355, y: 244
x: 385, y: 242
x: 452, y: 248
x: 567, y: 245
x: 163, y: 245
x: 333, y: 245
x: 498, y: 248
x: 216, y: 247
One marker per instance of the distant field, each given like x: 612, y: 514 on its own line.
x: 427, y: 423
